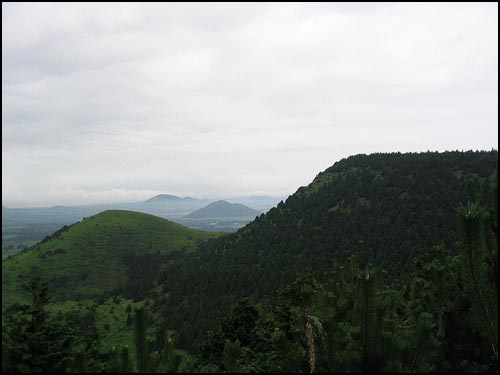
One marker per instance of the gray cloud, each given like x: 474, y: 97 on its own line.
x: 116, y: 102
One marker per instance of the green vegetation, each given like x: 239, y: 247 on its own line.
x: 359, y: 320
x: 98, y: 255
x: 398, y: 205
x: 33, y: 341
x: 385, y: 263
x: 17, y: 237
x: 23, y: 227
x: 110, y: 318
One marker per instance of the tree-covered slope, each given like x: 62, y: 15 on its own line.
x: 396, y: 206
x: 222, y: 209
x: 99, y: 254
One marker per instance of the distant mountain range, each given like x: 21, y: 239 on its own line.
x: 257, y: 202
x: 223, y: 209
x: 23, y: 226
x: 171, y: 198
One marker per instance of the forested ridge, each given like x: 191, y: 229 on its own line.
x: 397, y: 205
x: 384, y: 263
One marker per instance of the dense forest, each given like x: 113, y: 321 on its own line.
x: 396, y: 206
x: 384, y: 263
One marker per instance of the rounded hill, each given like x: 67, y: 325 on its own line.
x: 99, y: 253
x: 223, y: 209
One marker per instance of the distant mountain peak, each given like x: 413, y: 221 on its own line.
x: 164, y: 197
x: 222, y: 208
x: 220, y: 202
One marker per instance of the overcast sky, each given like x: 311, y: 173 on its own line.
x: 119, y: 102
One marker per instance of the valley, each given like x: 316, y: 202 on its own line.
x: 23, y: 227
x: 367, y: 217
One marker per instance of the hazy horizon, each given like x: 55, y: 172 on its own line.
x: 118, y: 102
x: 146, y: 194
x: 124, y: 200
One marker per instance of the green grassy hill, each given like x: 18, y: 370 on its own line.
x: 98, y: 255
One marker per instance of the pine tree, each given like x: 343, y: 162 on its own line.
x: 140, y: 339
x: 125, y: 360
x: 424, y: 342
x: 129, y: 320
x: 115, y: 367
x: 31, y: 341
x: 170, y: 359
x: 230, y: 356
x: 476, y: 271
x: 370, y: 316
